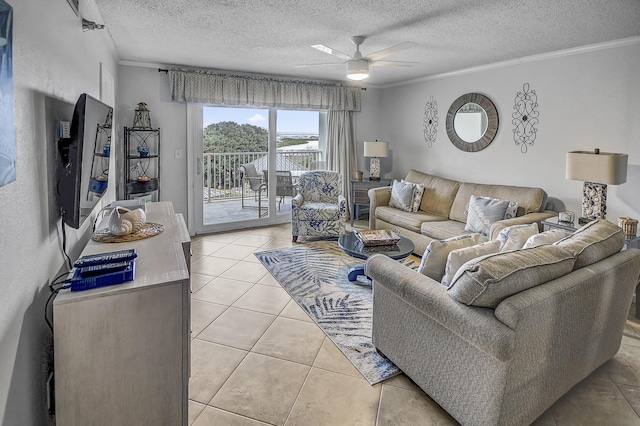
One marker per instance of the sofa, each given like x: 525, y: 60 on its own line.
x: 514, y: 331
x: 442, y: 210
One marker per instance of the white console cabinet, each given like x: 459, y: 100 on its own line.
x: 122, y: 352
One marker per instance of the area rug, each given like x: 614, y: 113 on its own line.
x: 315, y: 275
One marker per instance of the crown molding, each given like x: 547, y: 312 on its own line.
x: 526, y: 59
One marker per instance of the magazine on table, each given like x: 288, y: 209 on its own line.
x: 377, y: 237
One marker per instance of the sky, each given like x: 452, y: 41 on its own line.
x: 288, y: 121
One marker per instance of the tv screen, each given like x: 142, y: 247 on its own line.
x: 83, y: 160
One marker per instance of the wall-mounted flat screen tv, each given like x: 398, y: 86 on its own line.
x: 83, y: 160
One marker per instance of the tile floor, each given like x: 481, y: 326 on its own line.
x: 257, y: 358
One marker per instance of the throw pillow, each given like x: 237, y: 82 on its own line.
x: 547, y: 237
x: 402, y: 195
x: 512, y: 210
x: 593, y: 242
x: 434, y: 259
x: 514, y: 237
x: 483, y: 211
x: 459, y: 257
x: 487, y: 281
x: 417, y: 197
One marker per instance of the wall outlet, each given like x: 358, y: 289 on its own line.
x: 64, y: 129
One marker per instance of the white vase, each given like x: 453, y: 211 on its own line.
x: 124, y: 221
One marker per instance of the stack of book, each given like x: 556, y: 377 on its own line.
x: 377, y: 237
x: 99, y: 270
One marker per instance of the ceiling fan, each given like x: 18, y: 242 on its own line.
x: 358, y: 65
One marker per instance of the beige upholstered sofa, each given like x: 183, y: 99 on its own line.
x: 521, y: 338
x: 442, y: 210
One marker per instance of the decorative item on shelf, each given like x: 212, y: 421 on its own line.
x: 99, y: 184
x: 106, y: 149
x: 124, y: 221
x: 141, y: 117
x: 597, y: 170
x: 357, y: 175
x: 629, y: 226
x: 375, y: 150
x: 143, y: 150
x: 566, y: 216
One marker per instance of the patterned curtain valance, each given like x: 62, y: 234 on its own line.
x: 199, y: 86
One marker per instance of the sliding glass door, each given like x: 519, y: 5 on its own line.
x: 237, y: 148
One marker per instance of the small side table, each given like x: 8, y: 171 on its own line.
x: 634, y: 242
x: 360, y: 196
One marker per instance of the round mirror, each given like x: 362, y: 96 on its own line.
x: 472, y: 122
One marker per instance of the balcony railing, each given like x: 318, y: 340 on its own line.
x: 223, y: 179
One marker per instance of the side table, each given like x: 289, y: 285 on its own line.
x: 634, y: 242
x: 360, y: 196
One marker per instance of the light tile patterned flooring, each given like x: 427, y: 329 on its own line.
x: 257, y: 358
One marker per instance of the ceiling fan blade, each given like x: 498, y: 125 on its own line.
x: 388, y: 51
x: 392, y: 64
x: 317, y: 65
x: 330, y: 51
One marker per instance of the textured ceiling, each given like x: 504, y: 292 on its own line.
x: 270, y: 37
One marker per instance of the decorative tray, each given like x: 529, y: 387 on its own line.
x: 377, y: 237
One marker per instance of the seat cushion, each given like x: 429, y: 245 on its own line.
x: 593, y: 242
x: 488, y: 280
x: 319, y: 211
x: 407, y: 220
x: 443, y: 229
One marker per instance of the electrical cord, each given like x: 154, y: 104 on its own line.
x: 64, y: 244
x: 54, y: 291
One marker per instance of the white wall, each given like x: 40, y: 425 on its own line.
x: 586, y: 100
x: 52, y: 58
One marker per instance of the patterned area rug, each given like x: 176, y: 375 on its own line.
x: 315, y: 275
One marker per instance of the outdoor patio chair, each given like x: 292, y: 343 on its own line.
x: 319, y: 209
x: 284, y: 184
x: 255, y: 183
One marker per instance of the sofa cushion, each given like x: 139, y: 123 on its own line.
x: 439, y: 193
x: 514, y: 237
x: 529, y: 199
x: 547, y: 237
x: 459, y: 257
x: 593, y: 242
x: 434, y: 259
x: 444, y: 229
x: 483, y: 211
x: 402, y: 195
x: 407, y: 220
x: 319, y: 211
x: 487, y: 281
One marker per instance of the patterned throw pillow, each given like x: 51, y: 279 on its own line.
x: 512, y: 210
x: 514, y: 237
x: 417, y: 197
x: 434, y: 258
x: 483, y: 211
x: 402, y: 195
x: 547, y: 237
x: 459, y: 257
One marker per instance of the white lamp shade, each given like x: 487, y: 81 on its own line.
x: 357, y: 69
x: 376, y: 149
x: 605, y: 167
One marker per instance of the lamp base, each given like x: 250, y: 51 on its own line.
x: 374, y: 169
x: 594, y: 201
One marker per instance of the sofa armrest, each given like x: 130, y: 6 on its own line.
x: 477, y: 326
x: 377, y: 197
x: 498, y: 226
x: 297, y: 200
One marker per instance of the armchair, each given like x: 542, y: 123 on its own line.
x: 319, y: 209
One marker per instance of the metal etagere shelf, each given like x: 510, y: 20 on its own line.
x: 142, y: 163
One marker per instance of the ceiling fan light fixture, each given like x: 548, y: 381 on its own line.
x: 357, y: 69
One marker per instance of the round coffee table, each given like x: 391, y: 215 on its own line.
x: 351, y: 245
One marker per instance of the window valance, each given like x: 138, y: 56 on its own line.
x: 199, y: 86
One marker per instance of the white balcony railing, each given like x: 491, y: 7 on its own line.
x: 222, y: 178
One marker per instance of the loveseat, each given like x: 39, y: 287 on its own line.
x: 441, y: 214
x: 514, y: 331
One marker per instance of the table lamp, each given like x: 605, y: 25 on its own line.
x: 597, y: 170
x: 375, y: 150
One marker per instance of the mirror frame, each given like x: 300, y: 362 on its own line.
x: 492, y: 122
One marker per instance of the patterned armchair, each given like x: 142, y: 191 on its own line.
x: 319, y: 209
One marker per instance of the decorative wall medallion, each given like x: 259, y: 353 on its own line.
x: 430, y: 121
x: 525, y: 118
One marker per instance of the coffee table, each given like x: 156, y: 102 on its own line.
x: 351, y: 245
